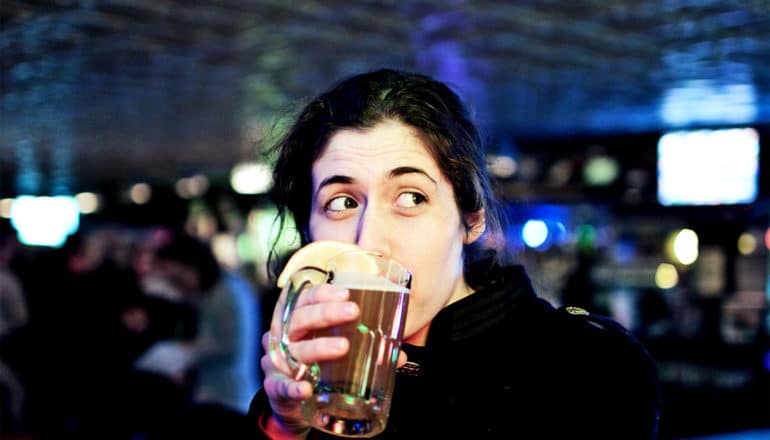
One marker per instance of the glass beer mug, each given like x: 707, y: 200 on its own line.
x: 352, y: 395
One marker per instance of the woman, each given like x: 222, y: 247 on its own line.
x: 390, y: 161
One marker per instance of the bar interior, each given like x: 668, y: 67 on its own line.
x: 629, y: 143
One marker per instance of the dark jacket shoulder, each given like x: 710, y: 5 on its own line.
x: 608, y: 375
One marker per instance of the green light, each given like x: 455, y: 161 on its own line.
x: 362, y: 328
x: 586, y: 238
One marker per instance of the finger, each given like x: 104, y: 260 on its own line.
x: 319, y: 316
x: 315, y: 295
x: 279, y: 385
x: 306, y: 352
x: 322, y: 293
x: 268, y: 366
x: 319, y: 349
x: 266, y: 342
x: 282, y: 388
x: 401, y: 359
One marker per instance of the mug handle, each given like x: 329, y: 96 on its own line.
x: 299, y: 282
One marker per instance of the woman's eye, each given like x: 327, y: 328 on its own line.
x: 409, y: 199
x: 341, y: 203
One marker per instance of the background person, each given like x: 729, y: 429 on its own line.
x: 216, y: 362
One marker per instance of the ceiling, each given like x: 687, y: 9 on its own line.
x: 126, y: 90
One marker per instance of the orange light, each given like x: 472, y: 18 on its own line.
x: 767, y: 238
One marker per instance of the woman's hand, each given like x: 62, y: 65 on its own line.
x: 320, y: 307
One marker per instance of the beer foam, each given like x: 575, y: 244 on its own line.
x: 366, y: 281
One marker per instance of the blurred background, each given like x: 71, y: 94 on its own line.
x: 629, y: 140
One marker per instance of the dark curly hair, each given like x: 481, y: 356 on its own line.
x: 362, y: 101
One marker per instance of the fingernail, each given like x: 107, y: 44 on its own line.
x: 339, y: 344
x: 350, y: 309
x: 341, y: 294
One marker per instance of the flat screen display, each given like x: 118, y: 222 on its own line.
x: 708, y: 167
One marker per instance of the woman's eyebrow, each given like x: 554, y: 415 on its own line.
x: 400, y: 171
x: 332, y: 180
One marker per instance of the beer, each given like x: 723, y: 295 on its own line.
x: 352, y: 396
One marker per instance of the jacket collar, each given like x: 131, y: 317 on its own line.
x: 485, y: 308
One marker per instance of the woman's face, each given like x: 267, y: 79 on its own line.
x: 381, y: 189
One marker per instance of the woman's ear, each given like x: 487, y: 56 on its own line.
x: 475, y: 225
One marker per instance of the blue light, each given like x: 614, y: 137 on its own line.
x: 45, y: 221
x: 767, y: 361
x: 708, y: 102
x: 534, y: 233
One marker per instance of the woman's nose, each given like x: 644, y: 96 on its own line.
x: 373, y: 232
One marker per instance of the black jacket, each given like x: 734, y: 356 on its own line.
x: 502, y: 363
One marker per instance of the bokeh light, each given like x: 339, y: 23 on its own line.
x: 666, y: 276
x: 88, y: 202
x: 191, y: 187
x: 140, y: 193
x: 5, y: 208
x: 685, y: 246
x: 534, y: 233
x: 601, y: 170
x: 251, y: 178
x: 45, y: 221
x: 747, y: 243
x: 767, y: 239
x: 502, y: 166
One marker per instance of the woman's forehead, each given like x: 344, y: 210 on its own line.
x: 389, y: 143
